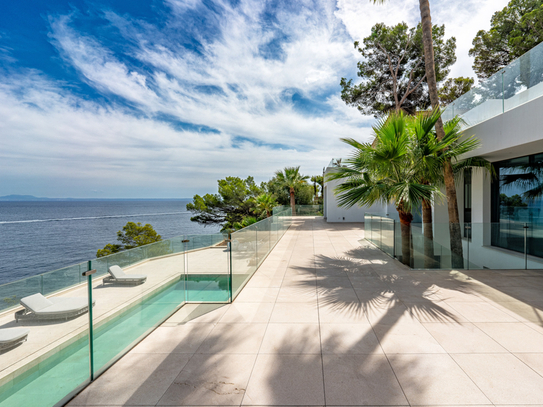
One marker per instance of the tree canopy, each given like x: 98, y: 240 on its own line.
x: 453, y: 88
x: 393, y: 69
x: 132, y: 235
x: 303, y: 193
x: 233, y: 202
x: 513, y: 31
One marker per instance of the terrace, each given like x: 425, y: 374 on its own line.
x: 329, y: 319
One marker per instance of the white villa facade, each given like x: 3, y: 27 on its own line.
x: 502, y: 225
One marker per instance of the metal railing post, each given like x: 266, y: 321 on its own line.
x: 503, y: 94
x: 468, y: 228
x: 394, y: 238
x: 89, y: 274
x: 185, y: 266
x: 525, y: 227
x: 230, y: 265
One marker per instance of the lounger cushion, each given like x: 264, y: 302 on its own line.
x: 9, y: 335
x: 64, y: 306
x: 119, y: 274
x: 36, y: 302
x: 116, y: 272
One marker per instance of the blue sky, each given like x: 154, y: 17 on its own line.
x: 128, y: 99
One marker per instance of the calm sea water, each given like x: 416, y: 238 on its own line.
x: 36, y: 237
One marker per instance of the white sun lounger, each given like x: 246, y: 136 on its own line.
x: 117, y: 275
x: 36, y: 306
x: 10, y: 337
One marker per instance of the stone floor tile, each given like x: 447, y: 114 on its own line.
x: 184, y: 338
x: 288, y: 380
x: 257, y: 295
x: 233, y: 338
x: 287, y: 312
x: 333, y: 311
x: 481, y: 312
x: 515, y: 337
x: 434, y: 311
x: 533, y: 360
x: 503, y: 378
x: 137, y: 379
x: 532, y: 312
x: 463, y: 338
x: 298, y: 293
x: 291, y: 339
x: 210, y: 380
x: 246, y: 312
x: 349, y: 339
x: 344, y: 295
x: 406, y: 337
x: 435, y: 380
x: 459, y: 295
x: 361, y: 380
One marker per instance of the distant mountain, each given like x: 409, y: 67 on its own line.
x: 23, y: 198
x: 28, y: 198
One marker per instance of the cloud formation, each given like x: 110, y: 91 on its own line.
x: 213, y: 89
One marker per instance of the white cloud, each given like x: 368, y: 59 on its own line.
x: 65, y: 145
x: 462, y: 20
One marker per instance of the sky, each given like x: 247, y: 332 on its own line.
x: 160, y: 99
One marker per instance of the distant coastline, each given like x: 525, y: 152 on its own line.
x: 31, y: 198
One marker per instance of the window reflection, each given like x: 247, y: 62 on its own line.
x: 517, y: 200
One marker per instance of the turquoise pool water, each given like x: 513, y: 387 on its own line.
x: 68, y: 369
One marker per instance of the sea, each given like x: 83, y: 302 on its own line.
x: 41, y: 236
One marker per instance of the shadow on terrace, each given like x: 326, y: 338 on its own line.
x: 346, y: 325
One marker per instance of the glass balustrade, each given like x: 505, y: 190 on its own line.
x: 69, y: 325
x: 302, y: 210
x: 519, y: 82
x: 495, y: 246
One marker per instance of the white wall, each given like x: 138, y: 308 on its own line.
x: 515, y: 133
x: 333, y: 213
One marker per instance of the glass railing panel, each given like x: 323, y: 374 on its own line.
x: 48, y: 359
x: 52, y: 381
x: 45, y: 284
x: 244, y: 257
x: 263, y: 240
x: 523, y: 79
x: 132, y: 300
x: 208, y: 269
x: 387, y: 240
x: 518, y: 83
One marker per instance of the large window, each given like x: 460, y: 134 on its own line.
x: 517, y: 200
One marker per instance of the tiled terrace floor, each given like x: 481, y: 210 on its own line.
x: 330, y: 320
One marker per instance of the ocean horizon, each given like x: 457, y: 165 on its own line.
x: 46, y: 235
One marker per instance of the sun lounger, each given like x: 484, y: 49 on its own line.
x: 117, y: 275
x: 11, y: 337
x: 38, y: 307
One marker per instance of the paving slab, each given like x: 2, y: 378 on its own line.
x: 329, y: 320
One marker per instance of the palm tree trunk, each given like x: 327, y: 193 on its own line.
x: 405, y: 226
x: 429, y: 261
x: 292, y: 202
x: 450, y: 188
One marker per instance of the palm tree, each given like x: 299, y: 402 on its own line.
x: 431, y: 153
x: 386, y: 171
x: 247, y: 221
x: 265, y: 203
x: 450, y: 188
x: 316, y: 180
x: 290, y: 177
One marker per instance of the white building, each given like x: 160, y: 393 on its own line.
x: 500, y: 223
